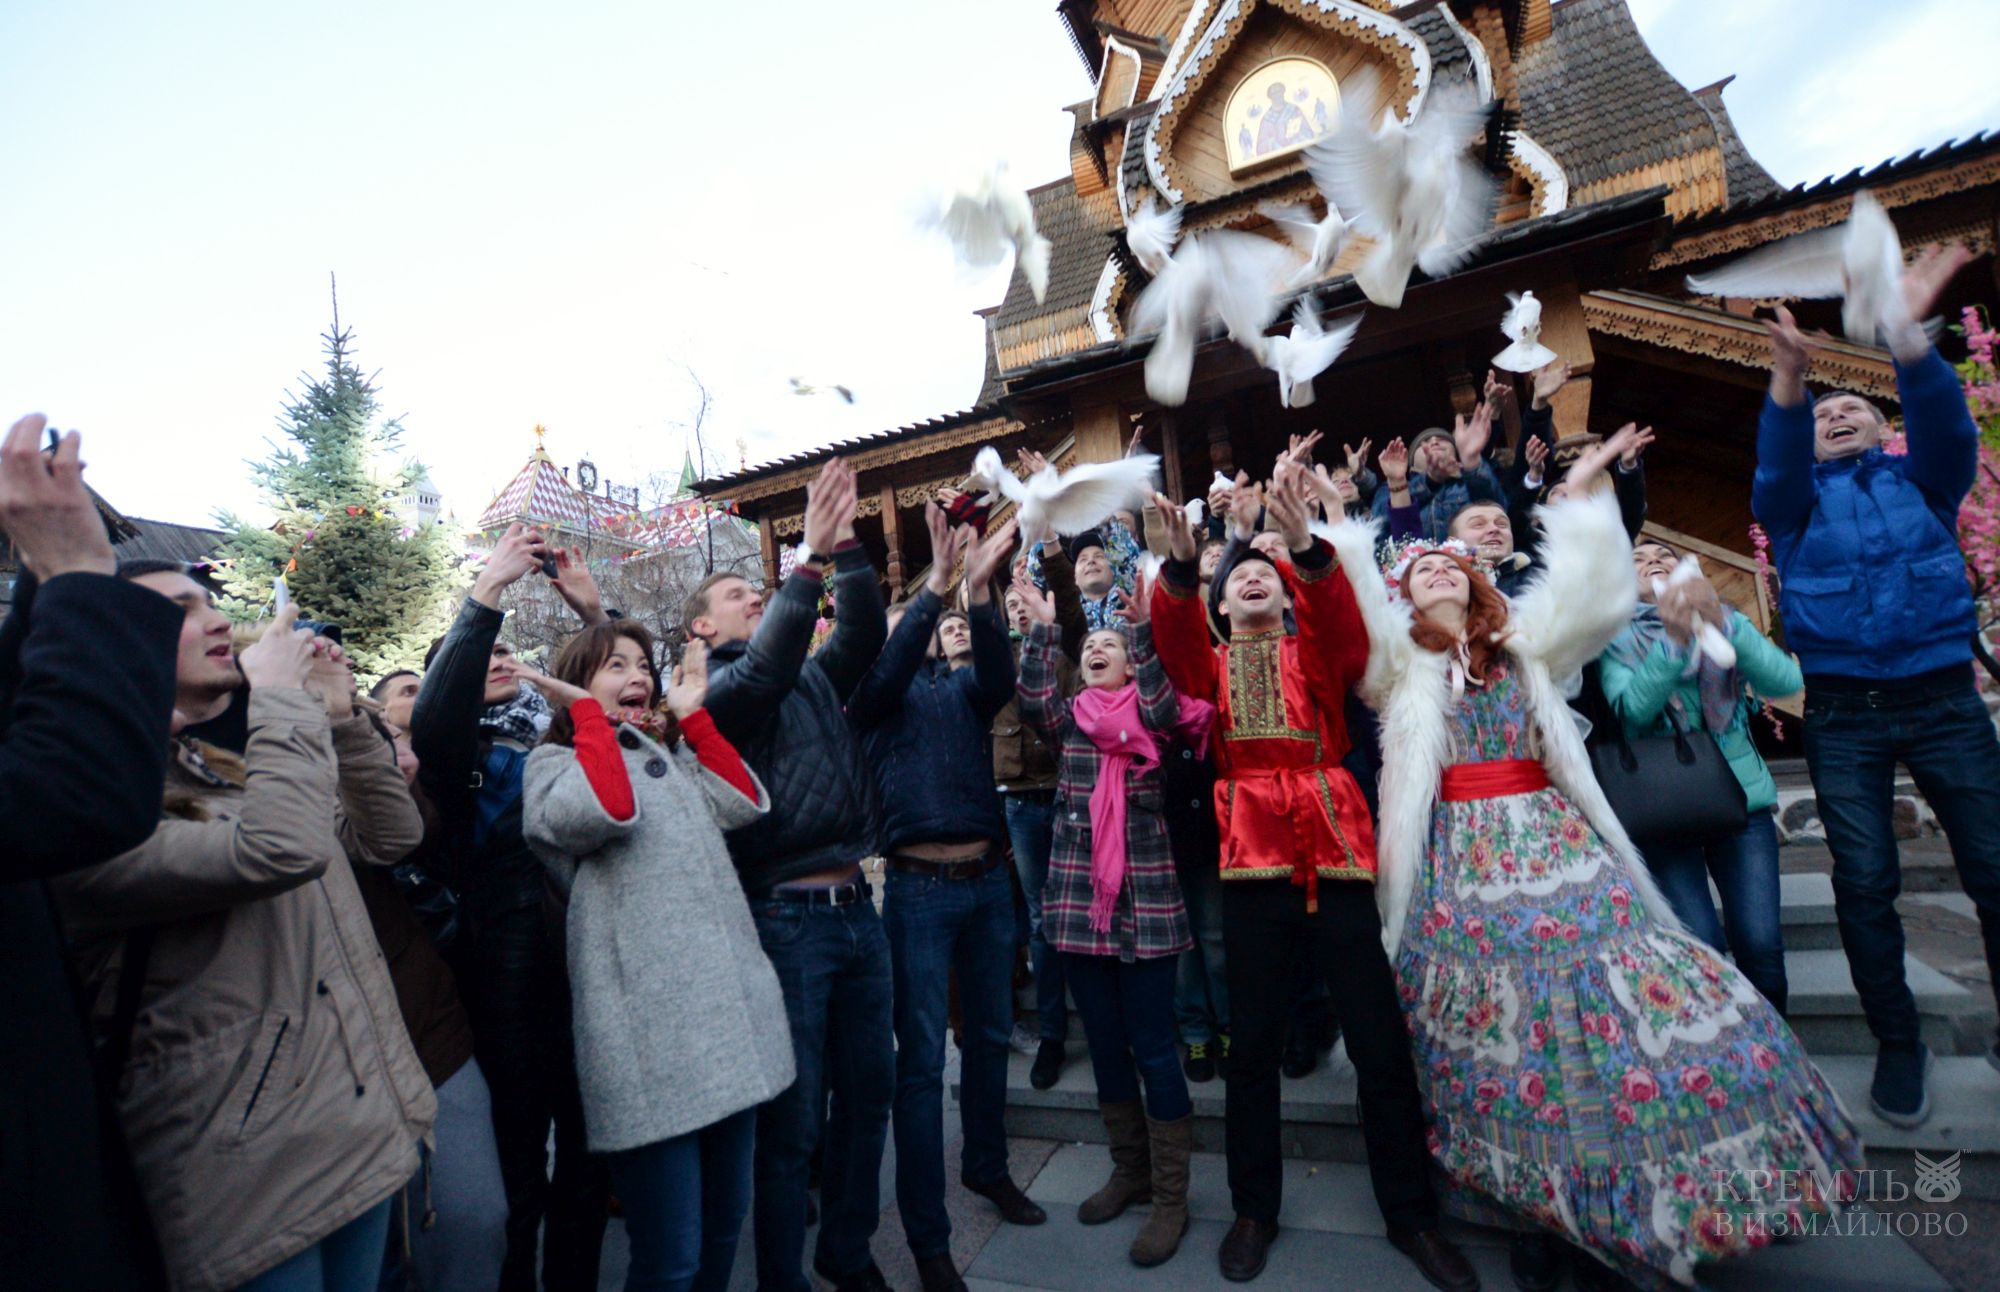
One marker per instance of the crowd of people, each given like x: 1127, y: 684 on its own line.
x: 309, y: 980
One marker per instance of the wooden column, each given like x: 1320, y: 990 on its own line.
x: 1170, y: 456
x: 1100, y: 432
x: 892, y: 535
x: 1564, y: 331
x: 767, y: 546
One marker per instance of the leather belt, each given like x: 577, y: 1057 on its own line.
x: 969, y: 868
x: 847, y: 894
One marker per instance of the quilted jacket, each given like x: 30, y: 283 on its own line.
x: 786, y: 715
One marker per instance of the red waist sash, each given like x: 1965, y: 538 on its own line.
x: 1497, y: 779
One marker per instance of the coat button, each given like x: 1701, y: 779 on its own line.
x: 1187, y: 753
x: 656, y: 768
x: 629, y: 739
x: 360, y: 1090
x: 321, y: 989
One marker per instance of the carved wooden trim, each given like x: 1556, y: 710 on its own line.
x: 1669, y: 325
x: 1403, y: 48
x: 918, y: 446
x: 1781, y: 224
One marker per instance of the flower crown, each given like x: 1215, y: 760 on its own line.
x: 1396, y: 558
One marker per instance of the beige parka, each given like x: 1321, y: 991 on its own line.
x: 271, y: 1094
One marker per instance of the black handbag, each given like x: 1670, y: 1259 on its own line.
x: 1670, y: 789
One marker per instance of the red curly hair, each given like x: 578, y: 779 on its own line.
x: 1485, y: 620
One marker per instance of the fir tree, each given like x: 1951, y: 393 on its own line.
x: 346, y: 558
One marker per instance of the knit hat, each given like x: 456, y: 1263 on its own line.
x: 1429, y: 433
x: 1218, y: 621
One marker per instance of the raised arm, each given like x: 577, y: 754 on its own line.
x: 1333, y: 642
x: 282, y: 836
x: 378, y: 821
x: 444, y: 724
x: 888, y: 679
x: 1783, y: 491
x: 1586, y: 592
x: 1043, y: 705
x: 1767, y: 667
x: 992, y: 654
x: 1060, y: 577
x: 1179, y: 619
x: 1159, y: 705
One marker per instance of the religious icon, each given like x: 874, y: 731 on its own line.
x: 1278, y: 109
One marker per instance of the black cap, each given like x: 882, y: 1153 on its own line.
x: 1075, y: 543
x: 1216, y: 618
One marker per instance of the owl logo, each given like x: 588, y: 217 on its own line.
x: 1937, y: 1181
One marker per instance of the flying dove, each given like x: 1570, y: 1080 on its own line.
x: 1306, y: 353
x: 987, y: 217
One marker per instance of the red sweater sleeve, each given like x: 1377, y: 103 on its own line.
x: 715, y: 752
x: 603, y: 764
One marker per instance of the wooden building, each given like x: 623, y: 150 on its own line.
x: 1616, y: 182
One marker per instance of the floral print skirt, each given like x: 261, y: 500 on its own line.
x: 1592, y: 1074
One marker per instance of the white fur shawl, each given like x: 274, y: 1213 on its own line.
x: 1582, y: 599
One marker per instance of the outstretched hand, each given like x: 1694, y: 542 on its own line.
x: 1138, y: 608
x: 519, y: 551
x: 1395, y: 464
x: 988, y: 556
x: 1357, y: 456
x: 1791, y: 357
x: 44, y: 508
x: 1246, y: 501
x: 1548, y: 380
x: 1925, y: 279
x: 1174, y: 523
x: 830, y: 501
x: 578, y: 588
x: 688, y: 688
x: 1470, y: 435
x: 1040, y: 602
x: 1286, y: 503
x: 1598, y: 458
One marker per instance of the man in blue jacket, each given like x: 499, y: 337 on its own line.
x: 1877, y: 608
x: 801, y: 869
x: 926, y: 713
x: 1449, y: 470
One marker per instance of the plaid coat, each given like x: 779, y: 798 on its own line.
x: 1151, y: 920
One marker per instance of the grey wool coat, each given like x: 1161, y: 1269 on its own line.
x: 678, y: 1017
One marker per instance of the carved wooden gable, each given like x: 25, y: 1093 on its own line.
x: 1263, y: 80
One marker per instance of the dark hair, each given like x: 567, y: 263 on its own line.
x: 697, y: 603
x: 1469, y: 504
x: 375, y: 691
x: 139, y: 567
x: 1485, y: 619
x: 1873, y: 407
x: 582, y: 655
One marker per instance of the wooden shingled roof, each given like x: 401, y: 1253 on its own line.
x: 1594, y: 96
x: 1081, y: 228
x: 1748, y: 180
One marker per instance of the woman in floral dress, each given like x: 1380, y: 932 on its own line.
x: 1595, y: 1075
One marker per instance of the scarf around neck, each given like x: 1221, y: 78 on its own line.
x: 1111, y: 720
x: 523, y: 719
x: 1719, y: 687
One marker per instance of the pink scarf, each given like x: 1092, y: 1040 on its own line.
x: 1110, y: 718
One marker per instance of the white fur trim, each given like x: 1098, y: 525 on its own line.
x: 1587, y: 583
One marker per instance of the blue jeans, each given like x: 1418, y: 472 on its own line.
x: 1745, y: 867
x: 685, y: 1199
x: 464, y: 1243
x: 1201, y: 992
x: 1946, y: 739
x: 347, y: 1260
x: 833, y: 966
x: 1127, y: 1008
x: 1031, y: 825
x: 934, y: 927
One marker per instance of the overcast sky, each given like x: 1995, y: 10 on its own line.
x: 546, y: 213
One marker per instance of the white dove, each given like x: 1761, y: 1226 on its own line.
x: 986, y: 217
x: 1706, y: 635
x: 1151, y: 234
x: 1860, y: 261
x: 1226, y: 275
x: 1412, y: 188
x: 1522, y: 324
x: 1068, y: 502
x: 807, y: 388
x: 1319, y: 241
x: 1306, y: 353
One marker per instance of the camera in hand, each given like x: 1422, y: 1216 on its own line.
x: 321, y: 628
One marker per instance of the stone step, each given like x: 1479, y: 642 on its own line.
x: 1825, y: 1012
x: 1805, y: 906
x: 1321, y: 1118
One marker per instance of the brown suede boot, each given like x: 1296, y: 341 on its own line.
x: 1160, y: 1237
x: 1131, y: 1166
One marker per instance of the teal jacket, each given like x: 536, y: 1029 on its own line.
x: 1639, y: 697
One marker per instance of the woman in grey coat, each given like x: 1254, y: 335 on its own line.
x: 680, y: 1025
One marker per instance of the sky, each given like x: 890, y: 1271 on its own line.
x: 556, y: 214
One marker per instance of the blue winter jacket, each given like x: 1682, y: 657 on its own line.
x: 927, y: 729
x: 1437, y: 503
x: 1872, y: 582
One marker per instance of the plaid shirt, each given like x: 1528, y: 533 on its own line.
x: 1151, y: 920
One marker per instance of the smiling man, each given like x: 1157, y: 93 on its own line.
x: 1297, y: 867
x: 1877, y: 607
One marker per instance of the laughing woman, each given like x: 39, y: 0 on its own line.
x: 680, y: 1026
x: 1596, y: 1076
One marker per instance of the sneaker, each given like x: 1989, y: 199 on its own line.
x: 1197, y: 1066
x: 1898, y: 1095
x: 1049, y: 1058
x: 1025, y: 1040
